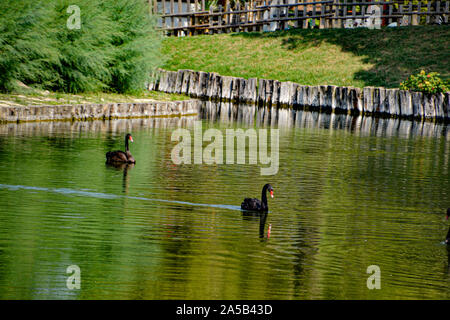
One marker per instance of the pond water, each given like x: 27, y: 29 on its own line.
x: 350, y: 192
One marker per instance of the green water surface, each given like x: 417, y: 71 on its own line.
x: 349, y: 193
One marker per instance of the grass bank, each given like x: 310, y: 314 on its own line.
x: 39, y: 97
x: 343, y: 57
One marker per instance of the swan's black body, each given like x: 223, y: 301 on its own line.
x: 252, y: 204
x: 120, y: 156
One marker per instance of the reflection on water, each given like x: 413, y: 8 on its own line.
x: 285, y: 118
x: 351, y: 192
x: 124, y: 167
x: 261, y: 218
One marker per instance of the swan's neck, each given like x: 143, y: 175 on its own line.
x: 126, y: 144
x: 264, y: 196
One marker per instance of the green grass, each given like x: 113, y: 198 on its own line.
x: 39, y: 97
x: 346, y: 57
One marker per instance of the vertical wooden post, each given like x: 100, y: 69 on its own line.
x: 163, y: 20
x: 428, y: 12
x: 210, y: 18
x: 155, y: 6
x: 220, y: 19
x: 414, y: 17
x: 196, y: 9
x: 400, y: 20
x: 305, y: 15
x: 353, y: 15
x: 296, y: 17
x: 313, y: 20
x: 188, y: 10
x: 419, y: 9
x: 172, y: 20
x: 203, y: 5
x: 363, y: 14
x: 390, y: 13
x: 447, y: 4
x: 260, y: 17
x: 438, y: 8
x: 246, y: 17
x: 344, y: 8
x: 322, y: 17
x: 179, y: 22
x: 335, y: 22
x: 238, y: 16
x: 329, y: 18
x: 228, y: 29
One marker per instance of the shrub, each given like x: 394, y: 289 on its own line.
x: 25, y: 50
x: 116, y: 48
x: 427, y: 83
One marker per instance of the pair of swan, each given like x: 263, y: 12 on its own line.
x: 250, y: 204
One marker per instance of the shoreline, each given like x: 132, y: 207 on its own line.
x: 106, y: 111
x: 368, y: 101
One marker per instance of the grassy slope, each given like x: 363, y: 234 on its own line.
x: 357, y: 57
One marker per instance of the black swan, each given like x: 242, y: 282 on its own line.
x: 120, y: 156
x: 258, y: 205
x: 448, y: 214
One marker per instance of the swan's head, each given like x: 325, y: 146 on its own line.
x: 270, y: 189
x: 129, y: 137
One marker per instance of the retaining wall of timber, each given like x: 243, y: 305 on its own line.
x: 98, y: 111
x: 368, y: 101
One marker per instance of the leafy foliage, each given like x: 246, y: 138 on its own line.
x: 115, y: 49
x: 422, y: 82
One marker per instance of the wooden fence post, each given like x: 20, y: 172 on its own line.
x: 163, y: 13
x: 438, y: 9
x: 390, y: 13
x: 179, y: 21
x: 172, y: 8
x: 246, y: 17
x: 219, y: 30
x: 322, y: 18
x: 188, y: 18
x: 344, y: 8
x: 414, y: 17
x: 228, y: 29
x: 238, y: 16
x: 305, y: 20
x: 447, y: 4
x: 210, y: 30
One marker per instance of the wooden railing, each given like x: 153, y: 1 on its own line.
x: 191, y: 17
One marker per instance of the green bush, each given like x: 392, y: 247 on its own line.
x: 116, y: 48
x: 427, y: 83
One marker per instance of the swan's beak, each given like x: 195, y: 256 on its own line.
x: 131, y: 138
x: 271, y: 194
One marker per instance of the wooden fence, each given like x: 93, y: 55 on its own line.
x: 192, y: 17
